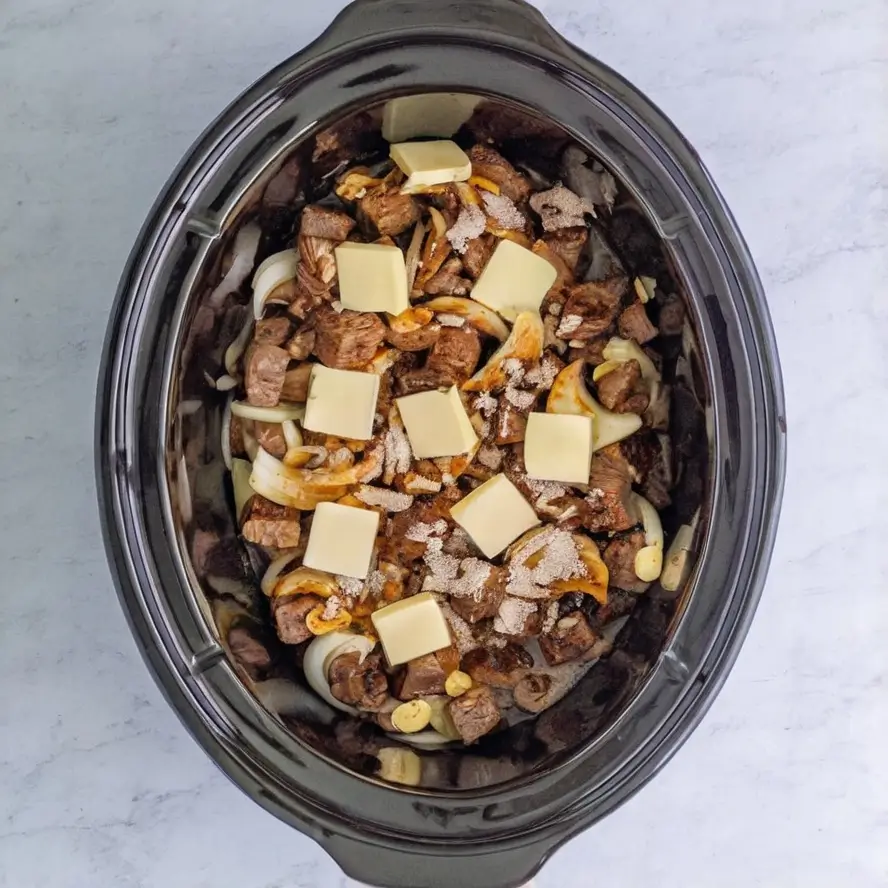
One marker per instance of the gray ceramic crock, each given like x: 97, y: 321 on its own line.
x: 152, y: 429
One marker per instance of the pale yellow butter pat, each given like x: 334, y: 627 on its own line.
x: 431, y: 163
x: 558, y: 447
x: 437, y: 424
x: 341, y: 402
x: 341, y: 540
x: 428, y: 114
x: 494, y: 515
x: 372, y: 277
x: 411, y: 628
x: 514, y: 280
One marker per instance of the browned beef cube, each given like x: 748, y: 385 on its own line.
x: 265, y: 369
x: 490, y: 164
x: 592, y: 351
x: 249, y: 650
x: 323, y: 222
x: 497, y: 667
x: 568, y: 244
x: 572, y: 638
x: 623, y: 390
x: 533, y: 692
x: 619, y: 557
x: 302, y: 343
x: 486, y: 602
x: 590, y: 311
x: 455, y: 354
x: 236, y: 437
x: 272, y: 331
x: 414, y: 340
x: 391, y: 212
x: 422, y: 677
x: 290, y: 612
x: 347, y: 340
x: 422, y: 380
x: 477, y: 254
x: 361, y: 684
x: 608, y: 506
x: 270, y: 437
x: 284, y: 187
x: 268, y: 524
x: 510, y: 423
x: 475, y: 714
x: 345, y: 141
x: 559, y: 208
x: 635, y: 324
x: 295, y: 386
x: 448, y: 281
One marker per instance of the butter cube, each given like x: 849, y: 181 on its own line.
x: 428, y: 114
x: 341, y: 402
x: 558, y: 447
x: 431, y: 163
x: 494, y: 515
x: 411, y: 628
x: 514, y: 280
x: 437, y: 424
x: 341, y: 540
x: 372, y: 277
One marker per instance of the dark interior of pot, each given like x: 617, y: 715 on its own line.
x: 227, y: 570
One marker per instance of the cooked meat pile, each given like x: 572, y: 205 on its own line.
x: 565, y: 572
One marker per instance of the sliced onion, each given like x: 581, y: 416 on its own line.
x: 411, y: 258
x: 422, y: 739
x: 225, y: 383
x: 649, y: 560
x: 234, y: 351
x: 306, y: 457
x: 321, y: 653
x: 245, y: 245
x: 439, y: 222
x: 281, y: 413
x: 251, y: 445
x: 297, y: 488
x: 277, y: 269
x: 225, y: 441
x: 271, y: 575
x: 240, y: 481
x: 292, y: 435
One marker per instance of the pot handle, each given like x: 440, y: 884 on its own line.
x: 394, y: 868
x: 514, y: 19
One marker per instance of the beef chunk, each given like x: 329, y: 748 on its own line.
x: 347, y: 340
x: 497, y: 667
x: 455, y: 354
x: 272, y: 331
x: 623, y: 390
x: 249, y: 650
x: 268, y: 524
x: 485, y: 604
x: 533, y: 692
x: 346, y: 141
x: 636, y: 242
x: 477, y: 254
x: 422, y: 677
x: 475, y: 714
x: 270, y: 437
x: 510, y: 423
x: 422, y: 380
x: 592, y: 351
x: 302, y: 343
x: 390, y: 212
x: 590, y: 310
x: 560, y: 208
x: 355, y: 683
x: 568, y: 244
x: 572, y: 638
x: 493, y: 122
x: 608, y: 506
x: 326, y: 223
x: 290, y: 612
x: 448, y: 281
x: 635, y: 324
x: 295, y: 386
x: 396, y: 545
x: 619, y: 557
x: 414, y: 340
x: 490, y: 164
x: 649, y: 456
x: 236, y: 437
x: 619, y: 604
x: 266, y: 366
x: 672, y: 316
x: 284, y: 187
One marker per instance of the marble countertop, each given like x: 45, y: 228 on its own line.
x: 786, y: 781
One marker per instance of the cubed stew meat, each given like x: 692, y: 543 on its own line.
x: 419, y: 328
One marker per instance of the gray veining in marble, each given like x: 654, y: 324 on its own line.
x: 785, y: 783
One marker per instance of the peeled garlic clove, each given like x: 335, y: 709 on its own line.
x: 277, y: 269
x: 457, y: 683
x: 649, y: 560
x: 644, y: 288
x: 399, y: 765
x: 649, y: 563
x: 570, y: 395
x: 412, y: 717
x: 678, y: 559
x: 525, y: 343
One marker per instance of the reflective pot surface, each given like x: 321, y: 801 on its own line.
x: 486, y: 817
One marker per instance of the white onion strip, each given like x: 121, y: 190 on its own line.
x: 292, y: 435
x: 238, y: 347
x: 281, y: 413
x: 270, y: 577
x: 277, y: 269
x: 649, y: 560
x: 225, y: 443
x: 245, y: 246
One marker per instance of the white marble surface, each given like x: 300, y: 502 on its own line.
x: 785, y: 783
